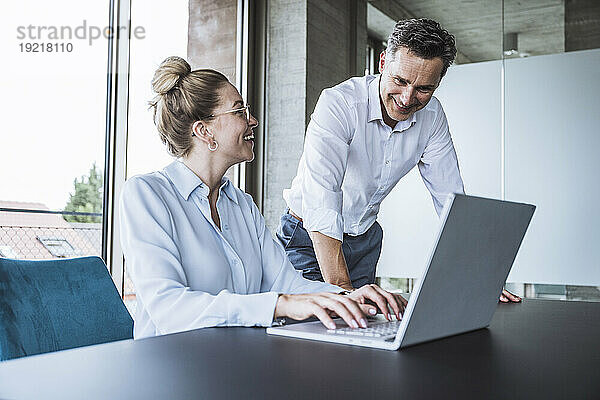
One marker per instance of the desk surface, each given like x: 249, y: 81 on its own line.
x: 537, y: 349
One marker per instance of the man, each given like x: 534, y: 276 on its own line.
x: 365, y: 134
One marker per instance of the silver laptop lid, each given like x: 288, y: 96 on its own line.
x: 470, y: 261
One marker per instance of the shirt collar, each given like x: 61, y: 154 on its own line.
x: 374, y: 102
x: 375, y: 107
x: 229, y: 190
x: 404, y: 125
x: 186, y: 181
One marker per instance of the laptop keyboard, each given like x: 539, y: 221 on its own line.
x: 381, y: 329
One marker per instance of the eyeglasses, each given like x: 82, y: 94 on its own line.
x: 245, y: 111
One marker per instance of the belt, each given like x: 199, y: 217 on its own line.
x: 294, y: 215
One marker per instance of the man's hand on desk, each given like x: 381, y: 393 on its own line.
x: 508, y: 297
x: 373, y: 294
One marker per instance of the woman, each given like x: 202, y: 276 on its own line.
x: 197, y: 247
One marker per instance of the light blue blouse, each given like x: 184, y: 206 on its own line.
x: 188, y: 273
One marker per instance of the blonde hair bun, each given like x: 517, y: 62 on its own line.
x: 175, y: 111
x: 169, y: 72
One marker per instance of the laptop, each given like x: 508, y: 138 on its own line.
x: 458, y: 292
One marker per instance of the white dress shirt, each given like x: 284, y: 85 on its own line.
x: 187, y: 273
x: 352, y: 159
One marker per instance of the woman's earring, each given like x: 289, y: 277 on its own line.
x: 214, y: 145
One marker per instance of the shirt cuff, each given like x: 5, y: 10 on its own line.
x: 323, y: 220
x: 253, y: 309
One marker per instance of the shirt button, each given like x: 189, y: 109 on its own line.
x: 387, y: 162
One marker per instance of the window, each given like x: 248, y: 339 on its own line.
x: 55, y: 62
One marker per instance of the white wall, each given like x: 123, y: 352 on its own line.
x: 551, y: 134
x: 552, y: 147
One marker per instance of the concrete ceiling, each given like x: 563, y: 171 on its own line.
x: 477, y: 24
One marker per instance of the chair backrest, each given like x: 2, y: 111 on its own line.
x: 50, y: 305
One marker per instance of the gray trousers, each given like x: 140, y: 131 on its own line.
x: 361, y: 252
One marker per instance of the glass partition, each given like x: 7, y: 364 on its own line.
x: 520, y: 101
x: 471, y: 95
x: 552, y: 59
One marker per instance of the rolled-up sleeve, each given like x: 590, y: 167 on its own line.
x: 154, y: 264
x: 439, y: 164
x: 326, y: 148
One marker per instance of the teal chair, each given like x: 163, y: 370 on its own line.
x: 51, y: 305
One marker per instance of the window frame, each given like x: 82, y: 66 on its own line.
x: 116, y: 140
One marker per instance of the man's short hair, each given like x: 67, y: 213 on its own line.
x: 424, y: 38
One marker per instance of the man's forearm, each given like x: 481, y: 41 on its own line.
x: 331, y: 260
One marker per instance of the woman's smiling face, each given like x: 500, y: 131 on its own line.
x: 232, y: 126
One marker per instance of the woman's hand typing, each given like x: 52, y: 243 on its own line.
x: 352, y: 308
x: 322, y: 306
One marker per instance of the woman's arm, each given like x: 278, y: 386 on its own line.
x: 154, y: 264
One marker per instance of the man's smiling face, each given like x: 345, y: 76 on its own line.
x: 407, y: 84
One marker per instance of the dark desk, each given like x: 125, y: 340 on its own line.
x: 538, y: 349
